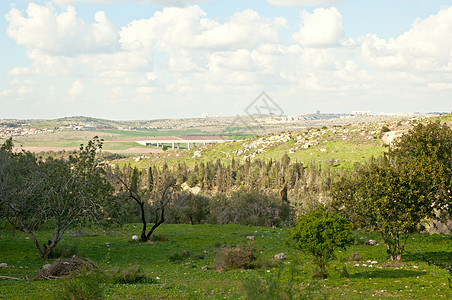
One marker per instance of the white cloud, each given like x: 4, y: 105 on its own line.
x: 187, y: 27
x: 75, y: 90
x: 17, y: 71
x: 321, y: 28
x: 6, y: 93
x: 43, y: 29
x: 302, y: 2
x: 427, y: 46
x: 159, y: 2
x: 25, y: 90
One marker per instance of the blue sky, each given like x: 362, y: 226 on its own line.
x: 148, y: 59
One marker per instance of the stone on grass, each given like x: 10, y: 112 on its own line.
x: 280, y: 256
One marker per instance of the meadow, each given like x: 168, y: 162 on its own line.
x: 181, y: 261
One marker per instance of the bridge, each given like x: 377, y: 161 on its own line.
x: 176, y: 143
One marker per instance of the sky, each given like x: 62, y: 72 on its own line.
x: 155, y: 59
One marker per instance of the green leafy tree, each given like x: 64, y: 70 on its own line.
x: 319, y: 234
x: 383, y: 198
x: 427, y: 152
x: 35, y: 193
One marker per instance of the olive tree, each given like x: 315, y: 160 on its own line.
x: 37, y: 193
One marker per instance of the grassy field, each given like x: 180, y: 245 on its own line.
x: 196, y: 277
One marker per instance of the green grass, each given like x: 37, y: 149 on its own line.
x: 185, y: 278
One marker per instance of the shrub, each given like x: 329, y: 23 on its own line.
x: 319, y: 234
x: 131, y: 275
x: 240, y: 257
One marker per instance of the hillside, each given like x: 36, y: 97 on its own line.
x: 340, y: 146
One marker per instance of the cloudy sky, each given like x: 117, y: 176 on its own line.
x: 148, y: 59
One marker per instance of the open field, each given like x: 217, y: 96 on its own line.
x: 188, y: 278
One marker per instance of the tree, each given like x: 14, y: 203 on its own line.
x: 427, y: 151
x: 150, y: 195
x: 35, y: 193
x: 383, y: 198
x: 319, y: 234
x: 393, y: 194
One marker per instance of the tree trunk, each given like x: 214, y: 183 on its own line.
x: 144, y: 237
x: 157, y: 223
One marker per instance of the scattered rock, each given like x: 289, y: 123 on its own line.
x: 280, y: 256
x: 370, y: 243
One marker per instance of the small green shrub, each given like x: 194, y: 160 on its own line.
x: 319, y: 234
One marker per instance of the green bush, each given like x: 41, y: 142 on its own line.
x: 320, y: 233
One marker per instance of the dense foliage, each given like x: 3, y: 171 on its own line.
x: 395, y: 193
x: 319, y: 234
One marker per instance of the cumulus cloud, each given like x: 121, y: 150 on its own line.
x: 43, y: 29
x: 192, y: 30
x: 426, y: 46
x: 302, y: 2
x: 181, y: 51
x: 321, y: 28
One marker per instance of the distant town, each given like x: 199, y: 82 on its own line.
x: 12, y: 128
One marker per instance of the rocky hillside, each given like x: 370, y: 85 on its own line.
x: 340, y: 146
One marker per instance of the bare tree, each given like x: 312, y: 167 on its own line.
x: 151, y: 196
